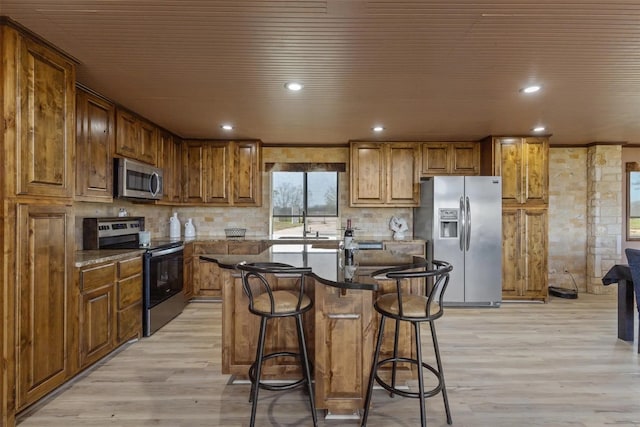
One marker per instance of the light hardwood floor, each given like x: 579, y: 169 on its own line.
x: 555, y: 364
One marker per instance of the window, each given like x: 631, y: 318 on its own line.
x: 304, y: 202
x: 633, y: 201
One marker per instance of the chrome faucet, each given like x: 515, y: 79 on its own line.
x: 306, y: 232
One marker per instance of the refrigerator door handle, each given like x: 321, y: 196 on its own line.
x: 463, y: 225
x: 468, y: 218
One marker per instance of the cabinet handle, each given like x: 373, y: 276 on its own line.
x: 343, y: 316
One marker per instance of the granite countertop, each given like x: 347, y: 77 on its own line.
x: 327, y: 264
x: 97, y: 256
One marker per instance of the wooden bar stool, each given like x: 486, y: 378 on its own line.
x: 270, y: 304
x: 415, y: 309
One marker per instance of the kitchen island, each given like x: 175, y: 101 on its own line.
x: 340, y: 329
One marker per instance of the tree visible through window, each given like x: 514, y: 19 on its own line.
x: 304, y: 202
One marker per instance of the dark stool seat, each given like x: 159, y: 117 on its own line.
x: 269, y: 304
x: 416, y: 309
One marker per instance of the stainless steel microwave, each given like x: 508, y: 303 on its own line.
x: 135, y: 180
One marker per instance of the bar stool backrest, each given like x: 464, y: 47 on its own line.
x: 255, y: 282
x: 438, y: 275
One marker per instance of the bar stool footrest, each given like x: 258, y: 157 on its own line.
x: 276, y: 387
x: 415, y: 395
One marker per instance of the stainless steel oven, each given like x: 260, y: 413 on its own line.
x: 163, y: 296
x: 162, y: 275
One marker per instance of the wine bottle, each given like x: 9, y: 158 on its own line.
x: 348, y: 244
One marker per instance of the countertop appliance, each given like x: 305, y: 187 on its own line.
x: 460, y: 217
x: 136, y: 180
x: 162, y: 275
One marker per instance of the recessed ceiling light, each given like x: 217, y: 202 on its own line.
x: 531, y: 89
x: 227, y: 127
x: 293, y: 86
x: 538, y: 129
x: 377, y: 128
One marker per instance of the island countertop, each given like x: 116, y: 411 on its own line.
x: 327, y: 264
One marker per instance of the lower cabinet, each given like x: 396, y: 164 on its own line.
x: 97, y: 312
x: 44, y: 301
x: 524, y: 254
x: 129, y: 299
x: 187, y: 271
x: 110, y: 307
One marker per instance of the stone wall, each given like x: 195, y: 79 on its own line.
x: 604, y: 214
x: 568, y: 217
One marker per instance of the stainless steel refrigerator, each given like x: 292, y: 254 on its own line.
x: 460, y: 217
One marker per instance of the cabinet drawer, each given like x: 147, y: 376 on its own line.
x: 130, y: 322
x: 95, y: 277
x: 129, y: 291
x: 407, y: 248
x: 129, y: 267
x: 245, y: 248
x: 210, y: 248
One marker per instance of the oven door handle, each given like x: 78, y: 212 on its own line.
x: 166, y: 251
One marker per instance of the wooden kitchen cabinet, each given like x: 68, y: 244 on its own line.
x: 39, y: 116
x: 170, y: 160
x: 136, y: 138
x: 524, y: 253
x: 187, y: 271
x: 523, y: 164
x: 384, y: 174
x: 449, y: 158
x: 95, y: 137
x: 45, y: 301
x: 207, y: 276
x: 97, y: 286
x: 222, y: 173
x: 129, y: 297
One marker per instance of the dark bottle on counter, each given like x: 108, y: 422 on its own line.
x: 348, y: 244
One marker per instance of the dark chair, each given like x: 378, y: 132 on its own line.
x: 416, y: 309
x: 270, y: 304
x: 633, y: 258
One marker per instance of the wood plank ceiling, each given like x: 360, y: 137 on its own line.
x: 425, y: 70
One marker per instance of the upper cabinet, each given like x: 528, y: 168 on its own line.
x: 95, y: 138
x: 384, y: 174
x: 135, y: 138
x: 39, y: 117
x: 450, y: 158
x: 170, y: 160
x: 224, y: 173
x: 523, y: 163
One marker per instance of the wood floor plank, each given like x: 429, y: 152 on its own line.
x: 555, y: 364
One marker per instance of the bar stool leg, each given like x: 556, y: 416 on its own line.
x: 441, y: 372
x: 255, y: 386
x: 423, y: 415
x: 372, y: 375
x: 395, y: 356
x: 305, y: 367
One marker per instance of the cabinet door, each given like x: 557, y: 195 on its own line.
x: 536, y: 170
x: 97, y: 320
x: 524, y: 254
x: 94, y: 148
x: 368, y: 174
x: 344, y: 345
x: 217, y: 172
x: 535, y: 248
x: 435, y: 159
x: 209, y: 279
x: 45, y: 248
x: 46, y: 123
x: 193, y: 157
x: 148, y: 147
x: 403, y: 179
x: 127, y: 135
x: 509, y: 159
x: 167, y: 151
x: 465, y: 158
x: 247, y: 179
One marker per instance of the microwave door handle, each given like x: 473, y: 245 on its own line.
x: 154, y: 178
